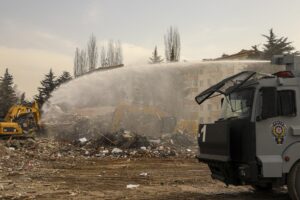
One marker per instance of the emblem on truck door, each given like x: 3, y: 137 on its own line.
x: 279, y: 131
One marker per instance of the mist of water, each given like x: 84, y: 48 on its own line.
x: 162, y: 88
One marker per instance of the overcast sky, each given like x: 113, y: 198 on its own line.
x: 38, y: 35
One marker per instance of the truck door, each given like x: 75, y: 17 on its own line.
x: 276, y: 114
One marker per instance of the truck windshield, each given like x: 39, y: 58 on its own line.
x: 238, y: 104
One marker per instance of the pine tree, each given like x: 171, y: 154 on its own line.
x: 65, y: 77
x: 48, y: 86
x: 8, y: 96
x: 276, y: 46
x: 155, y: 57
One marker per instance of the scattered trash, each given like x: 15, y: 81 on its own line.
x: 157, y: 141
x: 143, y: 174
x: 122, y: 144
x: 83, y: 140
x: 116, y: 150
x: 143, y: 148
x: 132, y: 186
x: 105, y: 152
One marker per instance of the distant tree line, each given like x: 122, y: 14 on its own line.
x: 112, y: 55
x: 87, y: 60
x: 9, y: 94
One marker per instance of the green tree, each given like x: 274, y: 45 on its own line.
x: 155, y: 57
x: 65, y: 77
x: 8, y: 95
x: 48, y: 85
x: 277, y: 46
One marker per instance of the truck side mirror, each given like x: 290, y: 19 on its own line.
x: 269, y: 102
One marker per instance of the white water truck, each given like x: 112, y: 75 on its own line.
x: 256, y: 141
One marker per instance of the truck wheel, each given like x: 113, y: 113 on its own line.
x: 294, y: 182
x: 265, y: 187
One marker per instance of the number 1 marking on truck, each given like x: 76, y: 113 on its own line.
x: 203, y: 132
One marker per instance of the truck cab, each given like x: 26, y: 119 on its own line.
x: 256, y: 140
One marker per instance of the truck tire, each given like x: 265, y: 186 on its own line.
x: 294, y: 182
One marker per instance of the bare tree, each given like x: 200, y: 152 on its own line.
x: 103, y: 57
x: 80, y: 63
x: 172, y: 45
x: 77, y: 63
x: 83, y: 62
x: 113, y: 55
x: 92, y: 53
x: 110, y: 53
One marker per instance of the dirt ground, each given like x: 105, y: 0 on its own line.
x: 107, y: 178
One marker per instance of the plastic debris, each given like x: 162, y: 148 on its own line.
x: 143, y: 148
x: 116, y: 150
x: 132, y: 186
x: 83, y: 140
x: 143, y: 174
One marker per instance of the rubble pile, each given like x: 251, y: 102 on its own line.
x: 123, y: 144
x: 128, y: 144
x: 121, y: 139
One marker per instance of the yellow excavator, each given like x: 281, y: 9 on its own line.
x: 21, y: 120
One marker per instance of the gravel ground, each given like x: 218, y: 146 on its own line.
x: 107, y: 178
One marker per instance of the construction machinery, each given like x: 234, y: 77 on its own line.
x: 256, y: 140
x: 21, y: 120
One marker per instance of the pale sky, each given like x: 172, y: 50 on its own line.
x: 38, y: 35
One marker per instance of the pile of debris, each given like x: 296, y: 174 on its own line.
x: 123, y: 144
x: 128, y: 144
x: 121, y: 139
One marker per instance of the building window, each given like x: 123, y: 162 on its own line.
x: 208, y: 82
x: 194, y: 83
x: 201, y: 108
x: 209, y: 107
x: 201, y: 83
